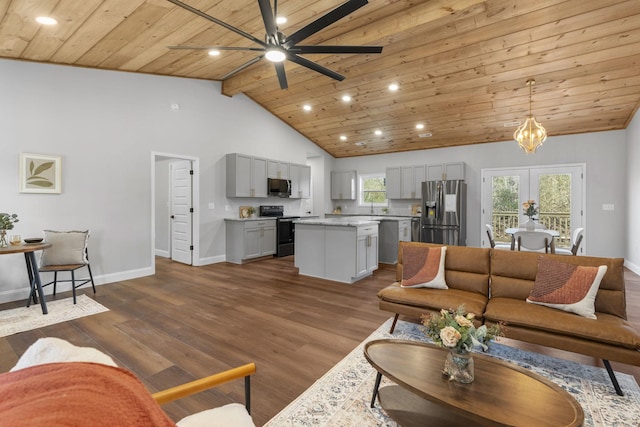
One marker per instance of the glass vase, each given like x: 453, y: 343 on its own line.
x: 3, y: 239
x: 459, y: 367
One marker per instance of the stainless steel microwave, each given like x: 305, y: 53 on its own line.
x: 279, y: 187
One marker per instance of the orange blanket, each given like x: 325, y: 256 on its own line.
x: 77, y: 394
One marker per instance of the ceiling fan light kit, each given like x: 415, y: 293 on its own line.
x: 277, y: 47
x: 531, y: 134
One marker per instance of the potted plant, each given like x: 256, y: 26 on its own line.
x: 6, y: 223
x: 251, y: 211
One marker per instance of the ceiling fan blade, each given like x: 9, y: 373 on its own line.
x: 242, y: 67
x: 254, y: 49
x: 217, y: 21
x: 315, y: 67
x: 324, y: 21
x: 282, y: 77
x: 269, y: 20
x: 336, y: 49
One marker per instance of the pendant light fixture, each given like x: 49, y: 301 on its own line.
x: 530, y: 135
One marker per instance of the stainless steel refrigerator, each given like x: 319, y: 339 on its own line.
x: 444, y: 212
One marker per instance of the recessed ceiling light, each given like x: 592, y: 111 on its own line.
x: 306, y: 107
x: 214, y: 52
x: 46, y: 20
x: 275, y: 55
x: 346, y: 98
x: 360, y: 143
x: 378, y: 132
x: 343, y: 138
x: 281, y: 20
x: 419, y: 126
x: 394, y: 87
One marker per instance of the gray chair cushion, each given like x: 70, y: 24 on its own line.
x: 68, y: 247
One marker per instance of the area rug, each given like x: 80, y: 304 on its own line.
x: 27, y: 318
x: 342, y: 396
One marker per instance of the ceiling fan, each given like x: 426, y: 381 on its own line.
x: 277, y: 47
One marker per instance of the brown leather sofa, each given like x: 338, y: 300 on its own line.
x: 494, y: 284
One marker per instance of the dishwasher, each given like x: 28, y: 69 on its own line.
x: 415, y: 229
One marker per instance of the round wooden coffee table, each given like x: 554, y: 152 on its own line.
x: 501, y: 394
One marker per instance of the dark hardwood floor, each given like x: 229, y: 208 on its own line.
x: 186, y: 322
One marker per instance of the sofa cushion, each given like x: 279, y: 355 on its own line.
x: 424, y: 267
x: 466, y: 268
x: 513, y: 275
x: 607, y: 329
x: 567, y: 287
x: 434, y: 299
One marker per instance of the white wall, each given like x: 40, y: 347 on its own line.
x: 604, y: 154
x: 632, y: 226
x: 105, y: 125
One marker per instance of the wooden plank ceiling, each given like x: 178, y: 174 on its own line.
x: 461, y: 65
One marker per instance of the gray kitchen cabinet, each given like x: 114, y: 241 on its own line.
x: 343, y: 185
x: 248, y: 239
x: 246, y: 176
x: 405, y: 182
x: 366, y: 250
x: 391, y: 232
x: 278, y: 169
x: 446, y: 171
x: 300, y: 181
x: 333, y: 251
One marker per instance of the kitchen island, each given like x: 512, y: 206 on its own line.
x: 343, y: 249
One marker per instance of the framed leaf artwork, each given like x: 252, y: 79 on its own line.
x: 40, y: 173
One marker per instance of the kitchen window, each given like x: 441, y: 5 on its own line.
x: 372, y: 190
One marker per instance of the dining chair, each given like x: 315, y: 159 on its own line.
x: 492, y: 241
x: 576, y: 240
x: 534, y: 241
x: 68, y: 253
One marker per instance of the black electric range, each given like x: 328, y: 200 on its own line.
x: 285, y: 244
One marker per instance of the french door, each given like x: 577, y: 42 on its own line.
x: 557, y: 190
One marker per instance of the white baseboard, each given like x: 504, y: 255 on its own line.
x: 211, y: 260
x: 22, y: 294
x: 163, y: 253
x: 633, y: 267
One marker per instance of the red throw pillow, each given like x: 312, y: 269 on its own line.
x: 423, y: 267
x: 567, y: 287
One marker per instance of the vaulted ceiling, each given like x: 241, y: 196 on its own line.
x: 461, y: 65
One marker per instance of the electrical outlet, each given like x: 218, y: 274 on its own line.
x: 607, y: 207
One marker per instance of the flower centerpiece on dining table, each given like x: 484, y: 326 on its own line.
x: 6, y: 223
x: 455, y: 331
x: 529, y: 209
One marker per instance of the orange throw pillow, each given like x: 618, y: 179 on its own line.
x: 567, y: 287
x: 423, y: 267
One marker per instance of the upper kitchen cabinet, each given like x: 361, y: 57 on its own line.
x: 300, y: 181
x: 277, y: 169
x: 446, y: 171
x: 246, y: 176
x: 343, y: 185
x: 405, y: 182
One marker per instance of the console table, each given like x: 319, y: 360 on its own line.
x: 29, y: 249
x: 501, y: 394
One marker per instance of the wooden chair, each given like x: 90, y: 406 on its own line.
x: 576, y: 240
x: 202, y: 384
x: 534, y: 241
x: 68, y: 253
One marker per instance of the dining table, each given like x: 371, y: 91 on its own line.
x: 553, y: 233
x: 29, y: 250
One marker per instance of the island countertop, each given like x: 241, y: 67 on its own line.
x: 339, y: 222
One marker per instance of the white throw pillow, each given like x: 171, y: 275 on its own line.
x: 67, y: 247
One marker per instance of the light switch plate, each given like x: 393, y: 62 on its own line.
x: 607, y: 207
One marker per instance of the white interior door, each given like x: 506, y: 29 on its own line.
x: 502, y: 191
x: 181, y: 211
